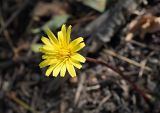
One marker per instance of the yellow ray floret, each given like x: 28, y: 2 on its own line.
x: 61, y: 54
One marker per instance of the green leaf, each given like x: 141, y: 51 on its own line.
x: 35, y: 47
x: 53, y: 24
x: 98, y: 5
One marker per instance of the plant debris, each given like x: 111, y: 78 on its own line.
x: 125, y: 35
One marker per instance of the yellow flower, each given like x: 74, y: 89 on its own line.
x: 60, y: 54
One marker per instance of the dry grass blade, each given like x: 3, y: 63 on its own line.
x: 13, y: 97
x: 80, y: 88
x: 135, y: 87
x: 112, y: 53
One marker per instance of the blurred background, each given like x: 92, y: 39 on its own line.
x: 122, y: 33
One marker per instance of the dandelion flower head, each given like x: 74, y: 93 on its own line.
x: 61, y: 54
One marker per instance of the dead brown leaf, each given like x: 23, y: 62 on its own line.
x: 49, y: 9
x: 143, y: 24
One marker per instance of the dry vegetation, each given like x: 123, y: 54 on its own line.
x: 126, y: 36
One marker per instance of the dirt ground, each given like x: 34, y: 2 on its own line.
x: 125, y: 35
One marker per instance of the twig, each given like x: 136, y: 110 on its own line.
x: 7, y: 35
x: 95, y: 87
x: 143, y: 45
x: 144, y: 62
x: 20, y: 102
x: 104, y: 100
x: 13, y: 16
x: 127, y: 59
x: 135, y: 87
x: 79, y: 89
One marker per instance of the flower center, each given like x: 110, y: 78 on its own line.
x: 63, y: 53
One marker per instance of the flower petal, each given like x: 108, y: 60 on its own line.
x: 49, y: 70
x: 44, y: 64
x: 76, y: 41
x: 75, y: 63
x: 47, y: 51
x: 46, y: 41
x: 57, y: 70
x: 51, y: 36
x: 48, y: 48
x: 71, y: 69
x: 63, y: 70
x: 52, y: 61
x: 60, y: 38
x: 44, y: 56
x: 69, y: 34
x: 63, y: 29
x: 44, y: 50
x: 49, y: 56
x: 78, y: 57
x: 48, y: 62
x: 78, y: 47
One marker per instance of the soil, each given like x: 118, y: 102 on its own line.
x: 24, y: 88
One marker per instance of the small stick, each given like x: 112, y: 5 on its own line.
x: 135, y: 87
x: 127, y: 60
x: 13, y: 97
x: 79, y: 89
x: 13, y: 16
